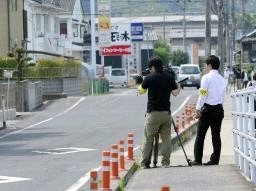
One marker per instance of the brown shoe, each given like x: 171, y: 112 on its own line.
x: 195, y: 163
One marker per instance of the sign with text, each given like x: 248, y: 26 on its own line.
x: 137, y: 31
x: 116, y: 50
x: 104, y: 24
x: 121, y: 34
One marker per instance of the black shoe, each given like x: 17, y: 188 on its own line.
x: 145, y: 167
x: 210, y: 163
x: 195, y: 163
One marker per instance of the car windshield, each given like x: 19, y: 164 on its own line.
x: 189, y: 70
x: 118, y: 73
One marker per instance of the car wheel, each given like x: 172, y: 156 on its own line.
x: 197, y: 87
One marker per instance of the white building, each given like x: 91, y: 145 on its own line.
x: 56, y: 26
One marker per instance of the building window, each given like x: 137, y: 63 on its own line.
x: 56, y: 25
x: 253, y: 47
x: 63, y: 29
x: 75, y: 30
x: 46, y: 24
x: 38, y: 24
x: 82, y: 31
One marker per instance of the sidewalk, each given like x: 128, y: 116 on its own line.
x: 223, y: 177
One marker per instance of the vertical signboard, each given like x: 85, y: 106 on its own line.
x: 104, y: 24
x: 137, y: 31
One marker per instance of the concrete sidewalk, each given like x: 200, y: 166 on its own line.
x: 223, y: 177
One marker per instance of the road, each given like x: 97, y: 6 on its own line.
x: 51, y: 149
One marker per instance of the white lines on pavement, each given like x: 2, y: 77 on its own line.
x: 63, y: 151
x: 44, y: 121
x: 70, y: 108
x: 84, y: 179
x: 8, y: 179
x: 181, y: 106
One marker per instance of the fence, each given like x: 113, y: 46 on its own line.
x: 243, y: 114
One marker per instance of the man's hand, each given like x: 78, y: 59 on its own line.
x: 198, y: 114
x: 176, y: 91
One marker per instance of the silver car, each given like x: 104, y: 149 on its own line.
x: 192, y: 72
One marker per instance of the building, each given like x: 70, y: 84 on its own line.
x: 56, y: 26
x: 248, y: 47
x: 13, y: 29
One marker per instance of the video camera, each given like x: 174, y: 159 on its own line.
x: 139, y: 79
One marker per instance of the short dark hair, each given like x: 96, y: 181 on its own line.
x: 156, y: 62
x: 213, y: 61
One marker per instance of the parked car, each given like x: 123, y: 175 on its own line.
x: 191, y: 71
x: 176, y: 70
x: 118, y: 78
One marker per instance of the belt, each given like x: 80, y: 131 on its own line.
x: 208, y: 105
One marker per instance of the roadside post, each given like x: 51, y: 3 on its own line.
x: 8, y: 75
x: 3, y: 110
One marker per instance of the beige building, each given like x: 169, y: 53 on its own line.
x: 11, y: 22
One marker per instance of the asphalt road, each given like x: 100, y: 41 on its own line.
x: 51, y: 149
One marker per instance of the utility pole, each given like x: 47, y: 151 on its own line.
x: 93, y: 43
x: 220, y: 35
x: 184, y: 26
x: 164, y: 27
x: 228, y: 46
x: 207, y: 28
x: 243, y: 16
x: 233, y: 29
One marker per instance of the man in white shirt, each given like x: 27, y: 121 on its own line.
x: 210, y: 112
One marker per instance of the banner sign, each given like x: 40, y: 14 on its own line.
x: 137, y: 31
x: 104, y: 24
x: 121, y: 34
x: 116, y: 50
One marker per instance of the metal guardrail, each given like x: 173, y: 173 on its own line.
x: 244, y: 131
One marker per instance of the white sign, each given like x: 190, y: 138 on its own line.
x: 7, y: 74
x: 8, y: 179
x: 121, y: 34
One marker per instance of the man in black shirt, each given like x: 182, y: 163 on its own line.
x: 159, y: 84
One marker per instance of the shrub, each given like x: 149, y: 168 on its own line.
x: 8, y: 62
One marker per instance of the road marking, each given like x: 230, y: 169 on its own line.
x: 84, y: 179
x: 44, y: 121
x: 63, y: 151
x: 8, y: 179
x: 181, y: 106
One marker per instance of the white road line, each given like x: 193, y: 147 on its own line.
x: 44, y: 121
x: 8, y: 179
x: 181, y: 106
x: 83, y: 180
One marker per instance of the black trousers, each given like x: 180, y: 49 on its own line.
x: 212, y: 116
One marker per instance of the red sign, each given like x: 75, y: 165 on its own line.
x: 116, y: 50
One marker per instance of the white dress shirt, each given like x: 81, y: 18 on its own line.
x: 212, y: 90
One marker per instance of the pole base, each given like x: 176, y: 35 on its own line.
x: 4, y: 126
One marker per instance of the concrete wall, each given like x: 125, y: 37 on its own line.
x: 28, y: 95
x: 67, y: 86
x: 3, y: 28
x: 11, y: 30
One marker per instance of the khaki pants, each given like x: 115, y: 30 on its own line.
x: 157, y: 121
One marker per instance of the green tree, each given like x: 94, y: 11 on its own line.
x: 162, y: 50
x: 179, y: 57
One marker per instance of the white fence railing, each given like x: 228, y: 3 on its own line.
x: 243, y: 114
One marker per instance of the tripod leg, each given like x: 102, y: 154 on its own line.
x: 188, y: 160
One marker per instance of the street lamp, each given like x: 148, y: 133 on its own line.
x: 184, y: 24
